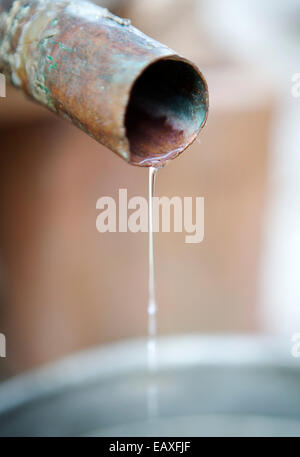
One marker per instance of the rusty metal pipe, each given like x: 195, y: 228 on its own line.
x: 126, y: 90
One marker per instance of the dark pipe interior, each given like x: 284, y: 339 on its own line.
x: 167, y: 107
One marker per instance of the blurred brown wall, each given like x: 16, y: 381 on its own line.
x: 66, y: 287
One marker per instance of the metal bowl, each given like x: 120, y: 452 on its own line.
x: 205, y: 386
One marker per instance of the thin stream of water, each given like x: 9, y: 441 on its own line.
x: 152, y: 306
x: 152, y: 393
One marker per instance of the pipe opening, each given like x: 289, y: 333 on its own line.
x: 167, y: 108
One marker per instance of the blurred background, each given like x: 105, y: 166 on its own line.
x: 65, y: 287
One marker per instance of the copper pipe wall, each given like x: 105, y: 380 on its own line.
x: 127, y: 91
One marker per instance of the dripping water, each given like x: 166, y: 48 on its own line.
x: 152, y: 392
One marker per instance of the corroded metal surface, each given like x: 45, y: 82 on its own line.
x: 123, y: 88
